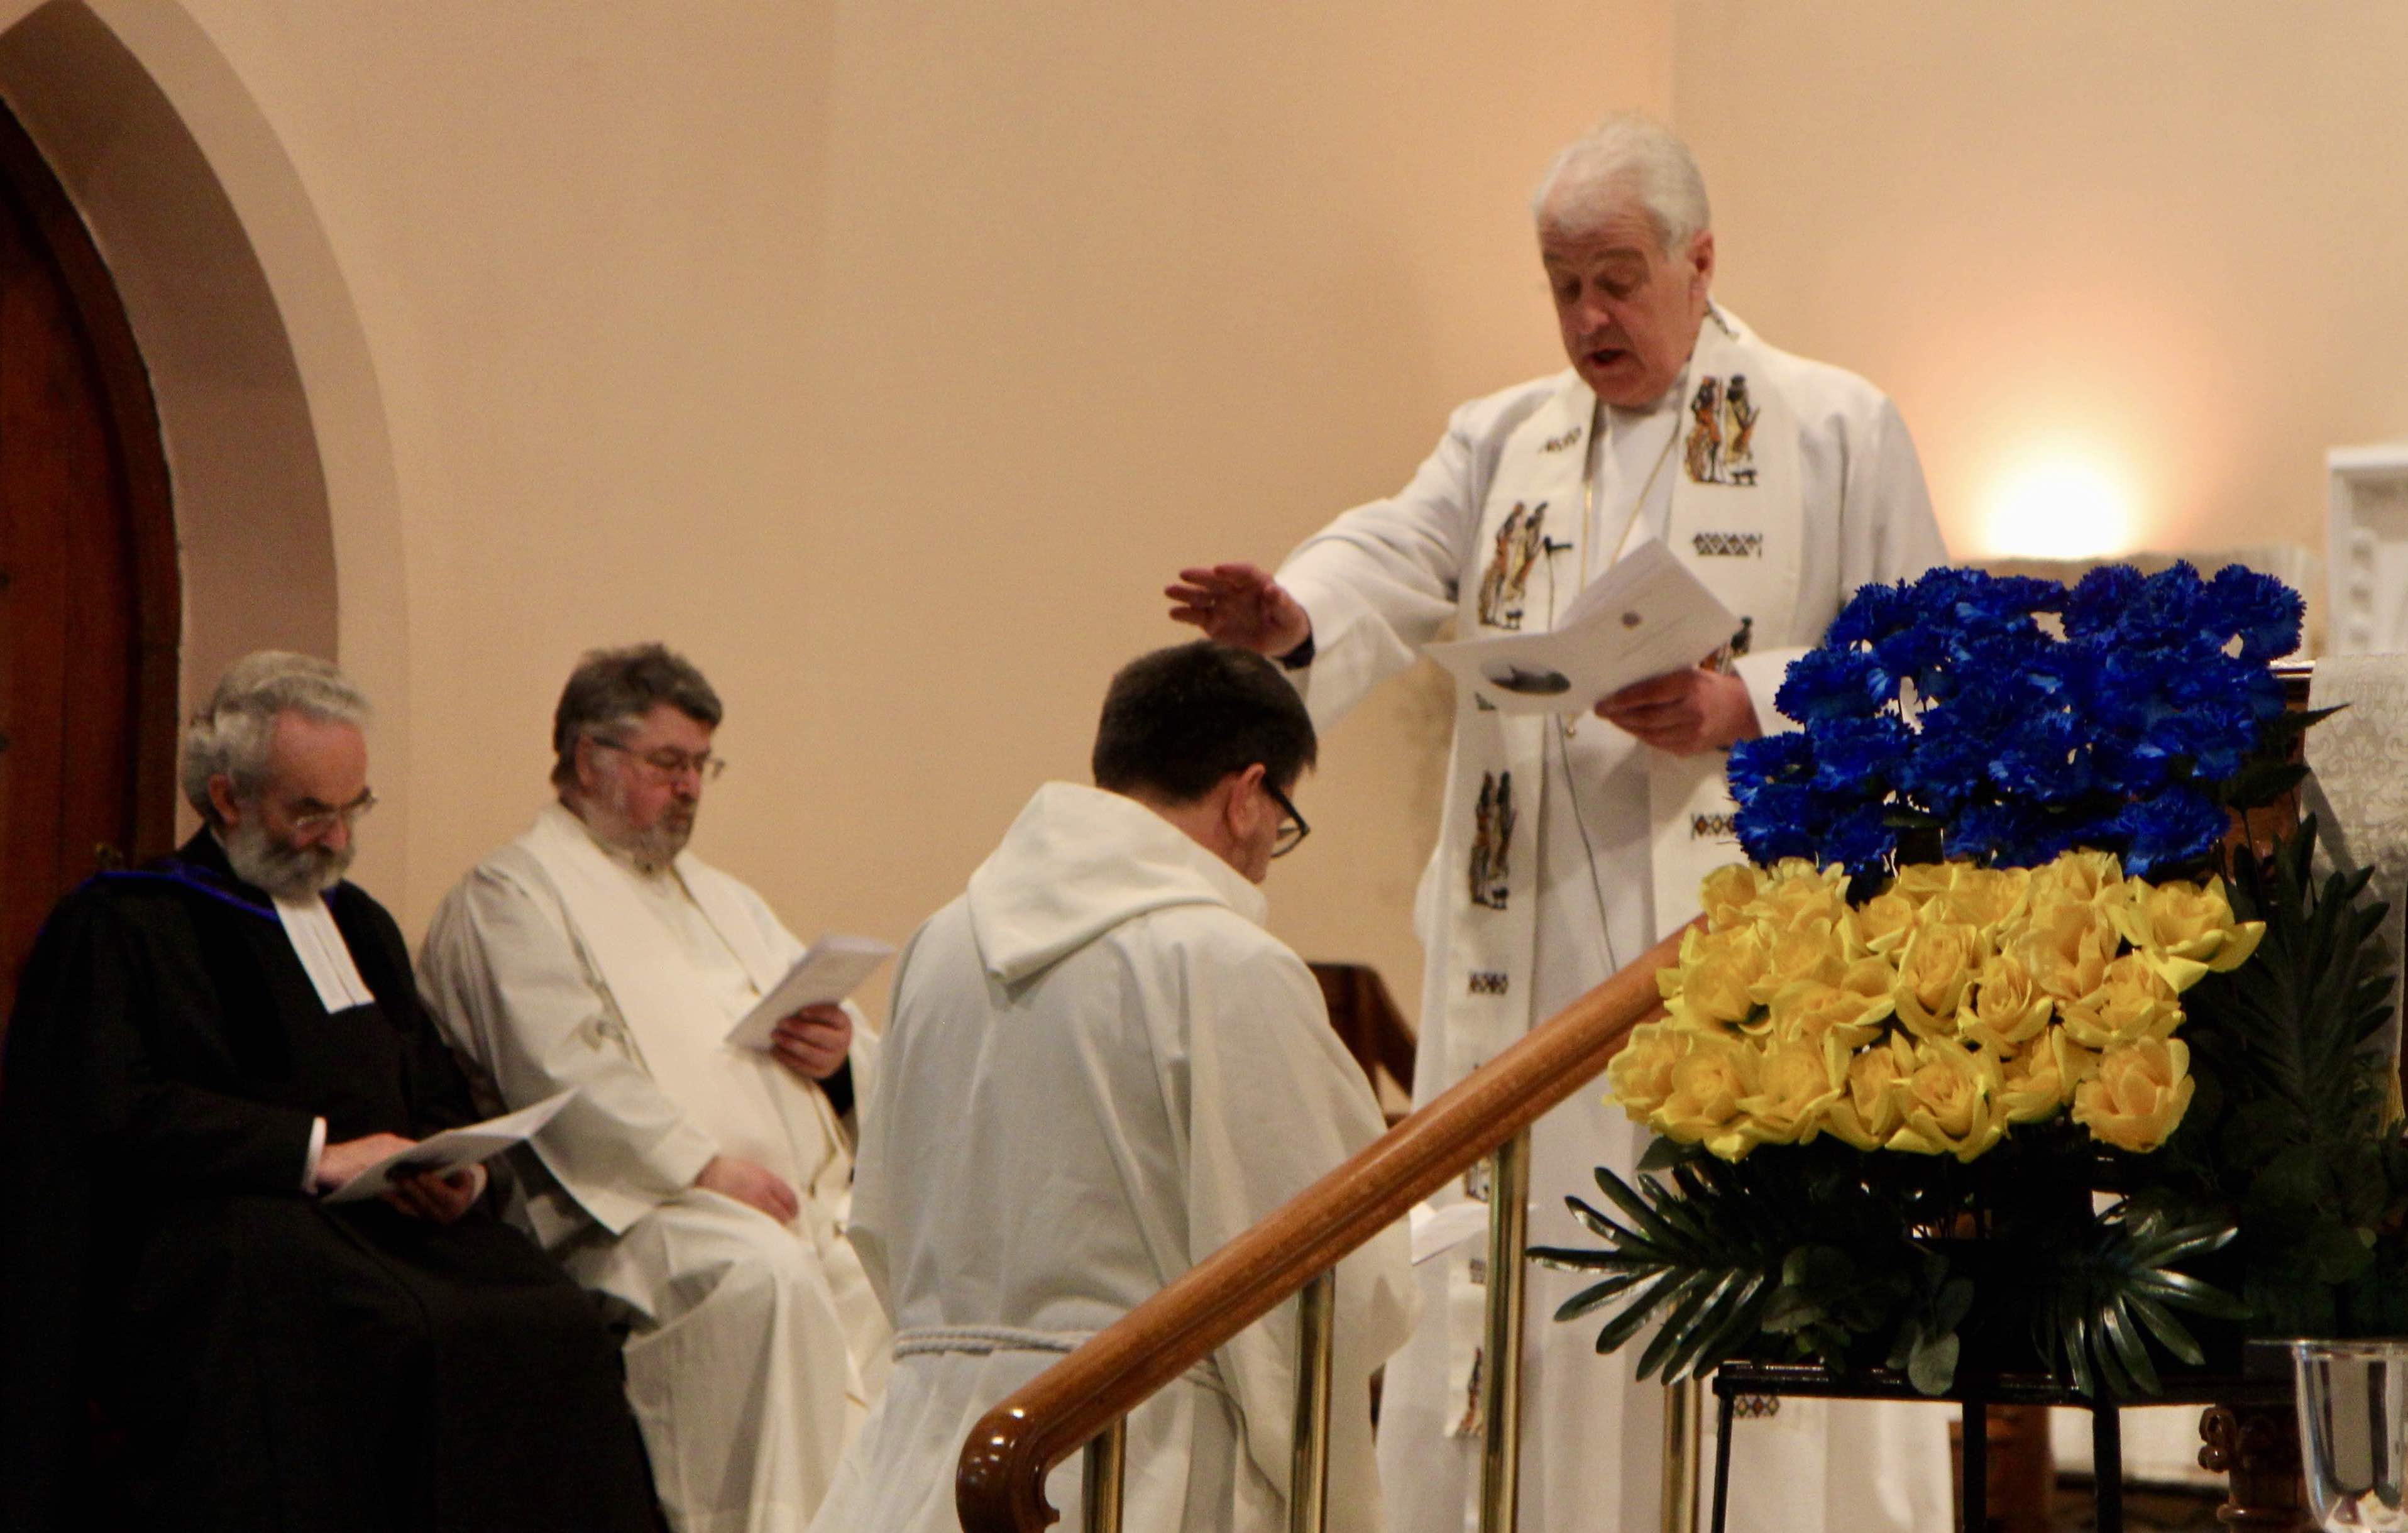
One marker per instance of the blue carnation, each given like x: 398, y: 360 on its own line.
x: 1862, y: 840
x: 1834, y: 685
x: 2261, y: 610
x: 1859, y: 756
x: 2170, y: 831
x: 2102, y: 597
x: 1787, y: 757
x: 1872, y: 614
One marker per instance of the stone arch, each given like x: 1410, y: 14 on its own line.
x: 268, y: 404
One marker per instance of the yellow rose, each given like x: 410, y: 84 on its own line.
x: 2008, y: 1006
x: 2041, y: 1077
x: 1725, y: 895
x: 2067, y: 949
x: 2186, y: 929
x: 1797, y: 1083
x: 1934, y: 971
x: 1813, y: 1011
x: 1920, y: 884
x: 1872, y: 1102
x: 1808, y: 952
x: 1985, y: 897
x: 1641, y: 1076
x: 1800, y: 892
x: 2137, y: 1096
x: 2078, y: 877
x: 1709, y: 1081
x: 1952, y: 1105
x: 2133, y: 1001
x: 1881, y: 924
x: 1717, y: 968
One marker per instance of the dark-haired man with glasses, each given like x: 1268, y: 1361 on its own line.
x: 1100, y: 1067
x: 701, y: 1183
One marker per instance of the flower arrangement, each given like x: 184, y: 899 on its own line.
x: 1994, y: 952
x: 1933, y: 1016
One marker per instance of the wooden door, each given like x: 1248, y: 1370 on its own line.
x: 88, y: 579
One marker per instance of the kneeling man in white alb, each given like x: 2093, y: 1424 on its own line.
x: 1099, y: 1069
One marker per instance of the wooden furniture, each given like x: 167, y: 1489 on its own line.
x: 1365, y: 1016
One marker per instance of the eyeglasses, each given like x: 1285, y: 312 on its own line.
x: 1292, y: 829
x: 319, y: 822
x: 670, y: 765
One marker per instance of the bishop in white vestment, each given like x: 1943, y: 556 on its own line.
x: 1570, y: 844
x: 1099, y: 1069
x: 702, y: 1185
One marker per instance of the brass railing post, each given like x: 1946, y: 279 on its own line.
x: 1684, y: 1418
x: 1500, y: 1378
x: 1316, y: 1317
x: 1106, y: 1454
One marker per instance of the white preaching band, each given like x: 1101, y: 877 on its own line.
x: 1570, y: 843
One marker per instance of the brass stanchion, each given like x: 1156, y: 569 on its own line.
x: 1501, y: 1380
x: 1685, y: 1411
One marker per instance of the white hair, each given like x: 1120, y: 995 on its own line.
x: 1624, y: 156
x: 231, y: 734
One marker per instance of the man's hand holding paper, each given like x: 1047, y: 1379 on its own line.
x: 1630, y: 647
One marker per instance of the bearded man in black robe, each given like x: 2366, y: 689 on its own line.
x: 201, y: 1048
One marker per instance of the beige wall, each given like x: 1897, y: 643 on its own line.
x: 887, y: 358
x: 2161, y: 234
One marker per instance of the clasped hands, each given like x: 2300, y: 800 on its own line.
x: 1681, y: 713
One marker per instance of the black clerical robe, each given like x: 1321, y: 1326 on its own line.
x: 271, y: 1362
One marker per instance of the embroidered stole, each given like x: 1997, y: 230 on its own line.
x: 1738, y: 521
x: 740, y: 1096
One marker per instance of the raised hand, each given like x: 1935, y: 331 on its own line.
x: 1241, y: 605
x: 1685, y: 711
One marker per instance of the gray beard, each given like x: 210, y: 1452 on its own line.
x: 656, y: 848
x: 286, y: 872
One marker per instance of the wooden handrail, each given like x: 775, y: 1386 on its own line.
x: 1000, y: 1487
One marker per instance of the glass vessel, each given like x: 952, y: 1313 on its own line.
x: 2353, y: 1401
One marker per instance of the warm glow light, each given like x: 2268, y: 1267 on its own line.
x: 2060, y: 506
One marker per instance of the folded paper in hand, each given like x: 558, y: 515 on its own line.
x: 453, y: 1149
x: 1647, y: 616
x: 831, y: 970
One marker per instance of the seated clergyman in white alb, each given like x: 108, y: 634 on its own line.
x: 1100, y: 1067
x: 702, y: 1183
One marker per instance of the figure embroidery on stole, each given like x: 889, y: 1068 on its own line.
x: 1492, y: 840
x: 1705, y: 448
x: 1519, y: 539
x: 1722, y: 435
x: 1739, y: 456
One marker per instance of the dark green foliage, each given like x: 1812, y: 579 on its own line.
x: 2297, y: 1143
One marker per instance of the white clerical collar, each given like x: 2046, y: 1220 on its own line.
x: 326, y: 957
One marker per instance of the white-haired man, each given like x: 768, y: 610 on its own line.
x: 1570, y: 844
x: 200, y: 1047
x: 702, y: 1185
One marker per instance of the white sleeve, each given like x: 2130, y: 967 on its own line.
x: 1380, y: 581
x: 504, y: 974
x: 317, y: 1153
x: 1274, y: 1103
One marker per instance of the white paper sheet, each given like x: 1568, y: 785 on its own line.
x: 831, y: 970
x: 1645, y: 617
x: 453, y: 1149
